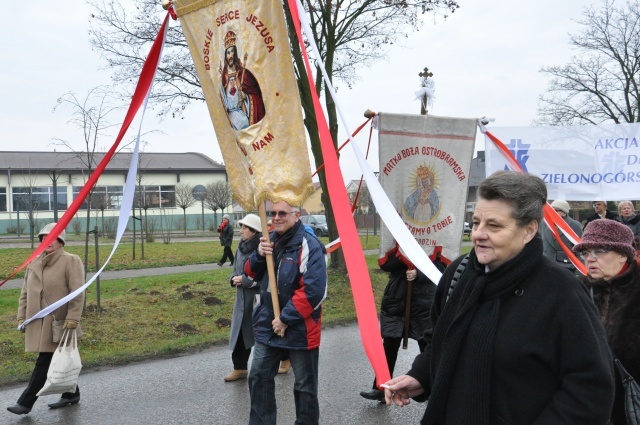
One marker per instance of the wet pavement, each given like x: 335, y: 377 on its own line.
x: 190, y: 390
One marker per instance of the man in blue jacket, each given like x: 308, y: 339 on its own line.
x: 301, y: 275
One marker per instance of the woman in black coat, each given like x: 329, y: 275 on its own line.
x: 393, y: 309
x: 516, y: 339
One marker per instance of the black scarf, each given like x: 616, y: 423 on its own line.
x: 281, y: 241
x: 250, y: 244
x: 462, y: 345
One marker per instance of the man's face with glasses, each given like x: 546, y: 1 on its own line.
x: 283, y: 216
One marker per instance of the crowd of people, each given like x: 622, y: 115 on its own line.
x: 512, y: 333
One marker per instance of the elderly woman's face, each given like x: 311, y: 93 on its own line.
x: 53, y: 246
x: 626, y: 210
x: 605, y: 266
x: 496, y: 236
x: 246, y: 232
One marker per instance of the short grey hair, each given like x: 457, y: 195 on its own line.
x: 526, y: 193
x: 623, y: 203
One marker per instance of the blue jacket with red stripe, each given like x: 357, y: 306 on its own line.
x: 301, y: 276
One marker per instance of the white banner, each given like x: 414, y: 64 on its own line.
x: 578, y: 163
x: 424, y: 169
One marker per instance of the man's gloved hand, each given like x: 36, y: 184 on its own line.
x: 70, y: 324
x: 21, y: 321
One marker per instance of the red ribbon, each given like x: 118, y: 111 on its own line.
x: 356, y: 265
x: 140, y: 93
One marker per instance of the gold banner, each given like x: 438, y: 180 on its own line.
x: 241, y: 53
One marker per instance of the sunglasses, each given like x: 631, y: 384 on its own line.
x: 280, y: 214
x: 595, y: 253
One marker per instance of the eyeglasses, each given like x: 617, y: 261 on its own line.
x: 595, y: 253
x: 280, y: 214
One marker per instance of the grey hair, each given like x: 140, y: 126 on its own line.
x: 621, y: 203
x: 526, y: 193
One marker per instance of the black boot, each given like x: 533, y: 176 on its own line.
x: 374, y: 394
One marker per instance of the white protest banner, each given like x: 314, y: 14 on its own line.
x: 424, y: 169
x: 578, y: 163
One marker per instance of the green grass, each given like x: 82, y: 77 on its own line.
x: 157, y: 254
x: 163, y: 315
x: 158, y: 316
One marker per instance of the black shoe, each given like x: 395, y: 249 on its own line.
x: 64, y: 402
x: 19, y: 409
x: 219, y: 264
x: 374, y: 394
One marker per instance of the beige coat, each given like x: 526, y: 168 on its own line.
x: 49, y: 278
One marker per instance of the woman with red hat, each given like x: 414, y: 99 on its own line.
x: 614, y: 279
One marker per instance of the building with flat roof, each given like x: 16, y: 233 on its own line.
x: 40, y: 186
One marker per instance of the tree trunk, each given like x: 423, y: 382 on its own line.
x: 337, y: 258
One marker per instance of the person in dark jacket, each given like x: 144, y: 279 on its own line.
x: 393, y: 309
x: 516, y: 338
x: 301, y: 276
x: 628, y: 217
x: 226, y: 239
x: 551, y: 247
x: 614, y: 277
x: 241, y: 334
x: 600, y: 211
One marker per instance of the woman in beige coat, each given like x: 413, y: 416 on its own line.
x: 50, y: 277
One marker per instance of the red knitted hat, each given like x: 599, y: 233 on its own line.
x: 607, y: 234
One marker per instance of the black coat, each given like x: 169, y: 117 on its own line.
x: 618, y: 302
x: 607, y: 214
x: 394, y: 300
x: 550, y: 363
x: 226, y: 234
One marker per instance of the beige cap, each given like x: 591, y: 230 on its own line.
x: 252, y: 221
x: 48, y: 228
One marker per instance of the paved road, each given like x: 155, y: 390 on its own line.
x: 158, y: 271
x: 190, y: 390
x: 126, y: 274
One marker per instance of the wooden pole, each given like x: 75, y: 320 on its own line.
x: 407, y: 315
x: 262, y: 212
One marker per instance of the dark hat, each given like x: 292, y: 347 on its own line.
x: 607, y: 234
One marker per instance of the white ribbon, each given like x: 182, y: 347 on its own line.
x: 412, y: 250
x: 123, y: 219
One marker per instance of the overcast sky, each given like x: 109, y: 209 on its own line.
x: 485, y: 58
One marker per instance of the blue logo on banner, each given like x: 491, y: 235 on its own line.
x: 520, y: 151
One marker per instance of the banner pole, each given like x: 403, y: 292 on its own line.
x: 407, y: 315
x: 262, y: 212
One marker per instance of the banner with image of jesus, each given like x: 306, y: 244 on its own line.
x: 424, y: 170
x: 241, y: 53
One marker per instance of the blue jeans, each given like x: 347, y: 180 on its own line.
x: 266, y: 360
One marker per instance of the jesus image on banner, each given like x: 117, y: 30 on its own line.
x: 240, y: 91
x: 423, y: 204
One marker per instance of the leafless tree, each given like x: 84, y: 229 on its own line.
x: 184, y: 199
x: 218, y: 197
x: 349, y: 34
x: 90, y: 116
x: 28, y: 201
x: 100, y: 202
x: 601, y: 81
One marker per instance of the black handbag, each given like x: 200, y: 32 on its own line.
x: 631, y: 395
